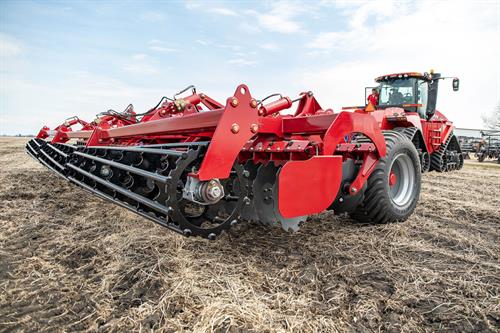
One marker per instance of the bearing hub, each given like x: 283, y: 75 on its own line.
x: 203, y: 192
x: 392, y: 179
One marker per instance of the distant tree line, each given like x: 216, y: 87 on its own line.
x: 492, y: 119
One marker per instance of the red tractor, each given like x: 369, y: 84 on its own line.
x: 198, y: 167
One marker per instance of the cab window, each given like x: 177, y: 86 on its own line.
x: 397, y: 92
x: 422, y: 97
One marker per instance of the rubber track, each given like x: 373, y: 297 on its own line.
x: 438, y: 162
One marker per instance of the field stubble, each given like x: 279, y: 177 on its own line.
x: 72, y: 262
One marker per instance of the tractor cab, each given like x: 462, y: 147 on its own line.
x: 414, y: 92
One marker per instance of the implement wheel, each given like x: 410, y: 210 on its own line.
x: 393, y: 188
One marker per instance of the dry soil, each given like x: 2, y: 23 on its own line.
x: 72, y: 262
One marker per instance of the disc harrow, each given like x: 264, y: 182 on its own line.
x: 197, y: 166
x: 150, y: 181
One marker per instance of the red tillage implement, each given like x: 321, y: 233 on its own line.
x: 197, y: 166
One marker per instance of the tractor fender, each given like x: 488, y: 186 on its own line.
x: 343, y: 127
x: 417, y: 138
x: 415, y: 135
x: 347, y: 123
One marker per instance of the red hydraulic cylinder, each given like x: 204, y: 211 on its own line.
x: 275, y: 107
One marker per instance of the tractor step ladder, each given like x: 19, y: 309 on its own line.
x: 435, y: 137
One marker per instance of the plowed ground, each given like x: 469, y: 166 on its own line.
x: 72, y: 262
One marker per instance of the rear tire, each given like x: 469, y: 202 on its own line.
x: 385, y: 203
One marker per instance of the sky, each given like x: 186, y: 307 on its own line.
x: 64, y: 58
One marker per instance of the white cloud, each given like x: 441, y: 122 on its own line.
x: 375, y: 10
x: 457, y: 39
x: 223, y: 11
x: 9, y: 47
x: 202, y: 42
x: 232, y: 47
x: 141, y: 68
x: 141, y: 64
x: 335, y: 40
x: 278, y: 23
x: 161, y: 46
x: 190, y: 4
x: 363, y: 18
x: 269, y: 46
x: 162, y: 49
x: 77, y: 93
x: 241, y: 62
x: 229, y: 46
x: 152, y: 16
x: 139, y: 56
x: 249, y: 28
x: 209, y: 8
x: 282, y: 17
x: 371, y: 38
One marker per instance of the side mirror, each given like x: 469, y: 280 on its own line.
x: 456, y: 84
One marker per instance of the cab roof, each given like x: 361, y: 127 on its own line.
x: 417, y: 75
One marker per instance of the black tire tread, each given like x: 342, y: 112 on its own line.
x: 374, y: 208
